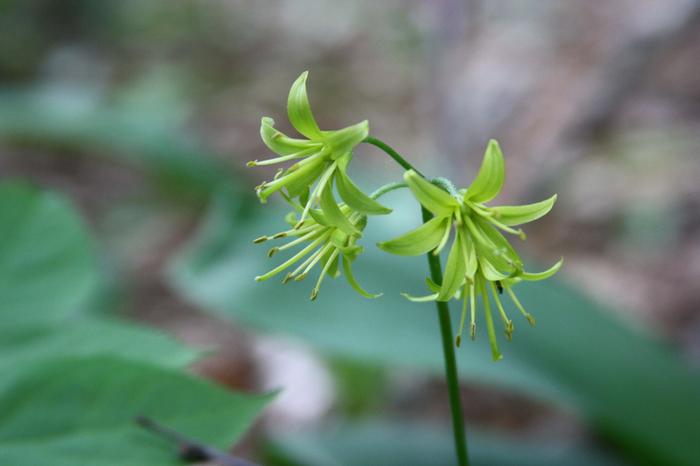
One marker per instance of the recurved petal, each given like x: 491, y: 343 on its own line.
x: 347, y: 268
x: 439, y: 202
x: 333, y: 214
x: 299, y: 110
x: 490, y: 272
x: 489, y: 180
x: 519, y: 214
x: 420, y: 299
x: 354, y: 197
x: 342, y: 141
x: 535, y: 277
x: 419, y: 241
x: 454, y: 272
x: 280, y: 143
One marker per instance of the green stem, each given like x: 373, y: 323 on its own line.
x: 443, y: 310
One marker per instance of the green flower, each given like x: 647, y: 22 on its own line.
x: 321, y: 159
x: 480, y: 257
x: 328, y: 238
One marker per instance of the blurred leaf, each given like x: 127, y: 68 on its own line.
x: 82, y: 412
x: 629, y: 386
x: 24, y: 347
x: 417, y: 445
x: 71, y: 119
x: 47, y: 266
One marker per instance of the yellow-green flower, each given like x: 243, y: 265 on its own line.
x: 329, y: 237
x: 321, y: 158
x: 480, y: 257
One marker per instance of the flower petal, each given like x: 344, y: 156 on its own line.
x: 280, y: 143
x: 299, y: 110
x: 353, y: 196
x: 535, y: 277
x: 489, y: 180
x: 347, y: 268
x: 420, y: 299
x: 519, y: 214
x: 437, y: 201
x: 469, y: 253
x: 333, y: 214
x: 343, y: 141
x: 419, y: 241
x: 454, y: 272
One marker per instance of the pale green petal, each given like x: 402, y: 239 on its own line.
x: 535, y: 277
x: 419, y: 241
x: 499, y: 241
x: 469, y: 253
x: 347, y: 268
x: 342, y: 141
x: 454, y: 272
x: 437, y: 201
x: 519, y: 214
x: 432, y: 286
x: 299, y: 110
x: 280, y: 143
x: 354, y: 197
x: 490, y: 272
x: 489, y: 180
x: 299, y: 185
x: 420, y: 299
x: 333, y: 214
x: 486, y: 249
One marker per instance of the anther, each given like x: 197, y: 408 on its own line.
x: 458, y: 340
x: 252, y: 163
x: 472, y: 331
x: 314, y: 294
x: 272, y: 251
x: 287, y: 277
x: 300, y: 277
x: 530, y: 319
x: 261, y: 239
x: 509, y: 330
x: 279, y: 235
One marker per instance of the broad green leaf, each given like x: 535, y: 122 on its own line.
x: 82, y: 411
x: 454, y: 275
x: 419, y: 241
x: 439, y: 202
x: 519, y: 214
x: 333, y: 214
x: 489, y: 180
x: 632, y: 390
x: 386, y: 444
x: 280, y: 143
x: 354, y: 197
x: 299, y: 110
x: 23, y: 347
x: 47, y: 266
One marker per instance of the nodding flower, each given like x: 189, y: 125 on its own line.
x: 327, y: 238
x: 481, y: 261
x: 320, y: 160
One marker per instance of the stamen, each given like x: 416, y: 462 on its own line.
x: 521, y: 234
x: 308, y: 236
x: 303, y: 267
x: 331, y: 258
x: 290, y: 261
x: 261, y: 239
x: 284, y: 158
x: 318, y: 255
x: 316, y: 194
x: 272, y: 251
x: 507, y: 323
x: 495, y: 353
x: 520, y: 307
x: 472, y: 311
x: 458, y: 340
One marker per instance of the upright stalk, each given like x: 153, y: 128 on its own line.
x: 443, y: 311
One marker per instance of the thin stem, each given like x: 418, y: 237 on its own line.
x: 443, y: 311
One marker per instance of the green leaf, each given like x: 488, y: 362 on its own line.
x: 47, y: 266
x: 489, y: 180
x: 354, y: 197
x: 519, y: 214
x: 333, y: 214
x: 82, y: 411
x: 437, y: 201
x: 405, y: 444
x: 299, y: 110
x: 454, y: 272
x: 419, y: 241
x: 280, y: 143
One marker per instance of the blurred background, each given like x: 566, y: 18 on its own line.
x: 144, y: 114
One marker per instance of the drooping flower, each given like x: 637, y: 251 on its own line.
x: 328, y: 236
x: 481, y: 260
x: 321, y: 158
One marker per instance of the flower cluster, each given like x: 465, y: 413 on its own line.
x: 480, y: 257
x: 321, y: 162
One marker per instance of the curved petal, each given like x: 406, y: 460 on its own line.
x: 342, y: 141
x: 333, y: 214
x: 299, y: 110
x: 489, y: 180
x: 354, y: 197
x: 420, y: 299
x: 454, y: 272
x: 437, y: 201
x: 280, y: 143
x: 535, y: 277
x: 419, y: 241
x: 469, y: 253
x: 347, y: 268
x: 519, y: 214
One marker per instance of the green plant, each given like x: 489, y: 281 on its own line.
x: 480, y: 260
